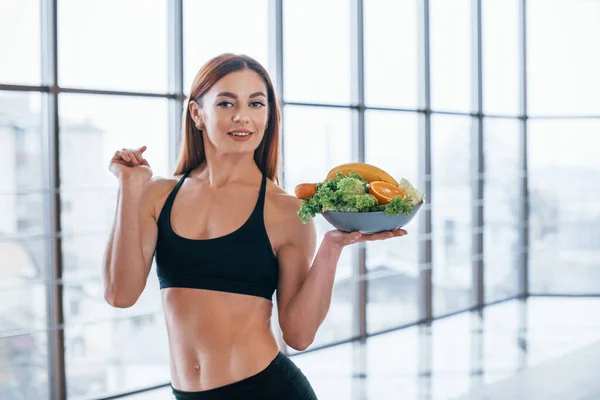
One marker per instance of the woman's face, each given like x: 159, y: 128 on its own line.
x: 234, y: 113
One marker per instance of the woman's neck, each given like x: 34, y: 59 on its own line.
x: 221, y: 170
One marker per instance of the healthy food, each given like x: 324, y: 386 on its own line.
x: 357, y: 187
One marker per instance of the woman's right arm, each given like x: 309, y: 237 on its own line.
x: 130, y: 247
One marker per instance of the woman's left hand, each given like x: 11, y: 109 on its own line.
x: 342, y: 239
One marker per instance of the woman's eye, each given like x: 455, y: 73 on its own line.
x: 257, y: 104
x: 225, y: 104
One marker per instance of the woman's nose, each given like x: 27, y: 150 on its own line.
x: 238, y: 117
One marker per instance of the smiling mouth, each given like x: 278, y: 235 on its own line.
x: 240, y: 134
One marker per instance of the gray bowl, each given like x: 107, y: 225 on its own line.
x: 370, y: 222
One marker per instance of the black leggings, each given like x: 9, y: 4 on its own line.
x: 281, y: 380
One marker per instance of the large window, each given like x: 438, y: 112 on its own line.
x: 105, y: 349
x: 435, y: 96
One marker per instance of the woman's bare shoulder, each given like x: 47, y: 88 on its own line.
x: 157, y: 190
x: 285, y: 208
x: 283, y: 215
x: 160, y: 184
x: 282, y: 201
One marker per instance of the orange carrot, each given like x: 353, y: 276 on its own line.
x: 305, y: 191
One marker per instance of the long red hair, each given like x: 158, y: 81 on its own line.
x: 191, y: 154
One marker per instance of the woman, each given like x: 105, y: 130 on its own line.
x: 226, y: 237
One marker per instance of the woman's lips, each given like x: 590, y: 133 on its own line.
x: 240, y: 136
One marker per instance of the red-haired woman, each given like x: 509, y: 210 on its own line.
x: 226, y: 237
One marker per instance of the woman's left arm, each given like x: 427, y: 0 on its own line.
x: 304, y: 290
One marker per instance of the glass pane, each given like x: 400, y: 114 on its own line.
x: 102, y: 125
x: 391, y: 53
x: 113, y: 44
x: 23, y: 308
x: 21, y: 189
x: 392, y: 143
x: 451, y: 55
x: 501, y: 199
x: 564, y: 219
x: 329, y: 140
x: 451, y: 212
x: 319, y: 72
x: 20, y: 42
x: 22, y: 197
x: 23, y: 261
x: 561, y: 63
x: 22, y: 214
x: 204, y: 19
x: 21, y: 158
x: 83, y: 300
x: 24, y: 367
x: 88, y: 212
x: 116, y: 356
x: 501, y: 57
x: 327, y: 132
x: 82, y: 256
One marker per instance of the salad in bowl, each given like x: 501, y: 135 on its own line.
x: 360, y: 197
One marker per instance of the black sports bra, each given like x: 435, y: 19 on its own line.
x: 239, y: 262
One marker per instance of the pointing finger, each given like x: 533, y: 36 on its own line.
x: 138, y: 156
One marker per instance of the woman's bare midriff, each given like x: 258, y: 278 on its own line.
x: 216, y: 338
